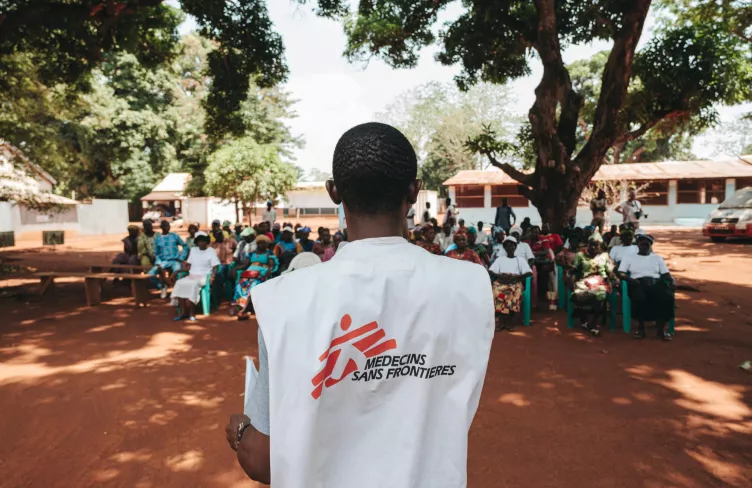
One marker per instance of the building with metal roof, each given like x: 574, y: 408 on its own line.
x: 682, y: 192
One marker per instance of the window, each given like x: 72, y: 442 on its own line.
x: 689, y: 191
x: 743, y: 183
x: 511, y: 193
x: 655, y: 193
x: 469, y: 196
x: 701, y: 191
x: 715, y: 191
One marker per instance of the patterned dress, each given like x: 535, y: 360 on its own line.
x: 466, y: 255
x: 507, y: 297
x: 593, y: 279
x: 431, y: 247
x: 258, y: 272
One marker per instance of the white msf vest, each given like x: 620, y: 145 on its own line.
x: 376, y: 364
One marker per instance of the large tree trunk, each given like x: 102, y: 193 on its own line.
x: 560, y: 175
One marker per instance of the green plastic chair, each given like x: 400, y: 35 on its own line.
x: 527, y: 301
x: 563, y: 296
x: 626, y: 305
x: 205, y: 294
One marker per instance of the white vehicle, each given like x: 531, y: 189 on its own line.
x: 732, y: 219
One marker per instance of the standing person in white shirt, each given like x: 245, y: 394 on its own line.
x: 451, y: 211
x: 509, y: 273
x: 390, y: 401
x: 410, y: 218
x: 631, y: 210
x: 651, y: 287
x: 270, y: 215
x: 426, y: 217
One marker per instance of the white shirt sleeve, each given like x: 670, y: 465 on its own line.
x: 213, y: 258
x: 191, y: 256
x: 524, y: 266
x: 624, y: 265
x: 662, y: 268
x: 495, y: 267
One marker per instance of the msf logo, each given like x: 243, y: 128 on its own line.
x: 365, y: 339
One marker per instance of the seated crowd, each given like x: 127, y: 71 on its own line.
x: 592, y: 265
x: 591, y: 269
x: 239, y: 257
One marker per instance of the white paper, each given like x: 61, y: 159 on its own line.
x: 251, y: 373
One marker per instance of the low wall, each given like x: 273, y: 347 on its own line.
x: 103, y: 216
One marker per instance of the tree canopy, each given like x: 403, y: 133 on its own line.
x: 684, y: 70
x: 439, y: 118
x: 246, y: 171
x: 68, y: 40
x: 134, y: 124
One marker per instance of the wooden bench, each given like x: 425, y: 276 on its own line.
x: 105, y: 268
x: 93, y: 284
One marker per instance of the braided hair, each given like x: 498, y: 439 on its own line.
x: 373, y: 167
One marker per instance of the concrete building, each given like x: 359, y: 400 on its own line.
x: 675, y: 192
x: 23, y: 181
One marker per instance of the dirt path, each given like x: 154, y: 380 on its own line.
x: 122, y: 397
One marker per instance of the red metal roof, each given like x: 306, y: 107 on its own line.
x: 669, y: 170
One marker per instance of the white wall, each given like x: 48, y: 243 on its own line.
x: 103, y: 216
x: 656, y: 214
x: 6, y: 217
x: 220, y: 210
x: 195, y: 210
x: 318, y: 198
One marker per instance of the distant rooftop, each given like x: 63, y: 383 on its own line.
x: 669, y: 170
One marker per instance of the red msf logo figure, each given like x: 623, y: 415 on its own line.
x: 365, y: 339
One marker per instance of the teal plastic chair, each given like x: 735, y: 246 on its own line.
x: 205, y: 294
x: 563, y: 296
x: 527, y: 301
x: 626, y: 305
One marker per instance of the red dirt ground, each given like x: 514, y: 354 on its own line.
x: 122, y: 397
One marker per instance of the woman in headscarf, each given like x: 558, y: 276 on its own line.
x: 480, y: 249
x: 544, y: 263
x: 593, y: 271
x: 202, y: 261
x: 287, y: 248
x: 651, y: 287
x: 192, y: 229
x: 508, y: 272
x: 324, y: 247
x: 263, y: 263
x: 427, y: 241
x: 462, y: 252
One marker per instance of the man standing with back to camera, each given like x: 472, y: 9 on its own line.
x: 371, y: 377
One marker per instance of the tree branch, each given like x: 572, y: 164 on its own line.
x: 554, y: 143
x: 60, y: 11
x: 511, y: 171
x: 616, y: 77
x: 640, y: 131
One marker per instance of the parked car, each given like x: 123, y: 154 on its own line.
x: 732, y: 219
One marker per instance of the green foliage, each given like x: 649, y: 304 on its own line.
x: 68, y: 41
x: 672, y: 85
x: 670, y: 139
x: 438, y: 119
x: 247, y: 171
x: 732, y: 138
x: 134, y: 125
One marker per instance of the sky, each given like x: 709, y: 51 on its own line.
x: 334, y: 95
